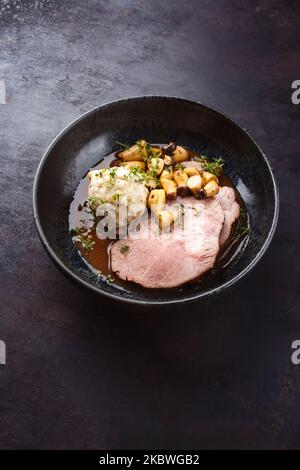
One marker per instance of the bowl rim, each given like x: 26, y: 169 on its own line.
x: 202, y: 295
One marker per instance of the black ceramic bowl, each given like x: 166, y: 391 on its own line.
x: 157, y: 119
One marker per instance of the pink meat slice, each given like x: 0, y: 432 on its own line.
x: 176, y: 258
x: 231, y: 208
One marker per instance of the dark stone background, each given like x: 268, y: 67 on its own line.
x: 80, y: 373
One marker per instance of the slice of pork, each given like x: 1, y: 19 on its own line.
x: 231, y: 208
x: 174, y: 259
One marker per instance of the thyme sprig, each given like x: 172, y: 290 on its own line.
x: 214, y: 166
x: 110, y: 279
x: 125, y: 146
x: 124, y: 249
x: 243, y: 230
x: 179, y: 166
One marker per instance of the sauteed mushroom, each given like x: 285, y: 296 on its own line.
x: 211, y: 188
x: 157, y: 199
x: 170, y: 188
x: 165, y: 219
x: 131, y: 154
x: 181, y: 179
x: 170, y: 148
x: 156, y: 165
x: 195, y: 185
x: 206, y: 177
x: 191, y: 171
x: 180, y: 154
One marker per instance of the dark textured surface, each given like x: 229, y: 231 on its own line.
x: 78, y: 374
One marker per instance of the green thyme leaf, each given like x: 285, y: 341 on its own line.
x: 75, y: 231
x: 214, y: 166
x: 125, y: 146
x: 86, y: 243
x: 110, y: 279
x: 124, y: 249
x: 243, y: 230
x: 179, y: 166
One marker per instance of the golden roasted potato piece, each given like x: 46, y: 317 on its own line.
x: 165, y: 219
x: 195, y: 185
x: 134, y: 153
x: 191, y: 171
x: 157, y: 200
x: 206, y: 177
x: 211, y: 188
x: 180, y: 154
x: 181, y: 179
x: 156, y: 165
x: 135, y: 164
x: 170, y: 188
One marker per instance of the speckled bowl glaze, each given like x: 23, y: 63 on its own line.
x: 157, y: 119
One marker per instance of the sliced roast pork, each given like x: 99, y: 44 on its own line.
x: 172, y: 259
x: 231, y: 208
